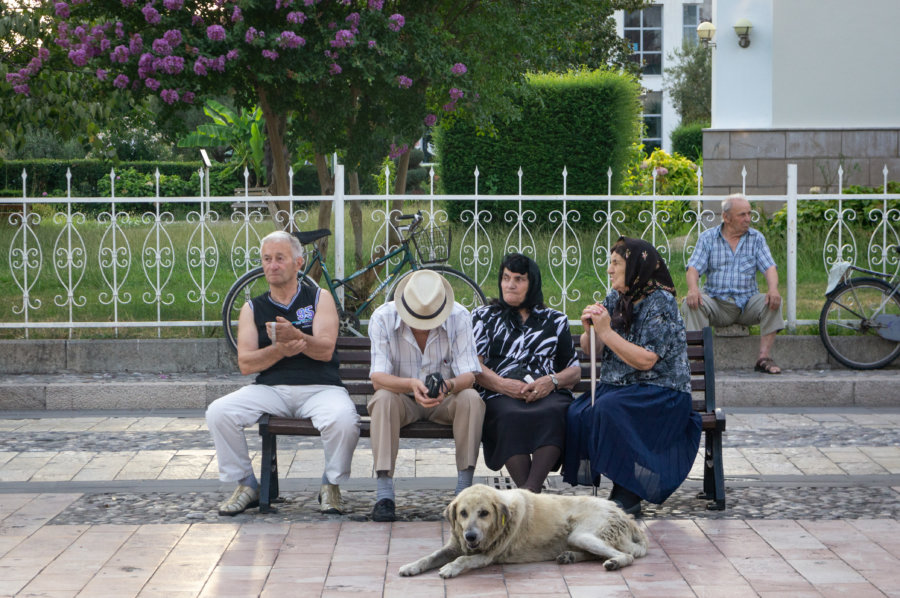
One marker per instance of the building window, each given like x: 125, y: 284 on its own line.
x: 693, y: 15
x: 652, y: 101
x: 643, y: 30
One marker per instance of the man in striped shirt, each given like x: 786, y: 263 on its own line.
x: 730, y: 255
x: 422, y: 332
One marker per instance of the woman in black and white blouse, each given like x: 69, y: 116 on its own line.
x: 528, y: 365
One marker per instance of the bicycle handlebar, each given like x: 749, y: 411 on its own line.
x: 416, y: 221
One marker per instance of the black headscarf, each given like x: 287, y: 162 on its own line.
x: 645, y: 273
x: 521, y: 264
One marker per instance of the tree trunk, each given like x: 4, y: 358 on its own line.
x: 326, y: 184
x: 275, y: 126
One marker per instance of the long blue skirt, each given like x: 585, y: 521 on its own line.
x: 641, y: 436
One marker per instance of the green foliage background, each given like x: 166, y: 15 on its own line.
x: 584, y: 122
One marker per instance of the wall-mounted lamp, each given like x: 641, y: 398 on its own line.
x: 742, y: 28
x: 705, y: 32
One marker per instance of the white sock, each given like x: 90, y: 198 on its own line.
x: 250, y: 481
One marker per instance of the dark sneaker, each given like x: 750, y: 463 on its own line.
x: 384, y: 510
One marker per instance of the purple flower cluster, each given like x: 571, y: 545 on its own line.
x: 120, y: 30
x: 161, y: 47
x: 173, y: 37
x: 196, y: 20
x: 404, y: 81
x: 458, y: 69
x: 270, y: 54
x: 396, y: 152
x: 151, y: 83
x: 169, y: 96
x: 127, y: 3
x: 236, y: 15
x: 135, y: 44
x: 252, y: 34
x: 430, y: 120
x: 371, y: 44
x: 78, y: 57
x: 173, y: 65
x: 353, y: 19
x: 296, y: 17
x: 188, y: 97
x: 101, y: 74
x: 289, y: 39
x: 279, y: 4
x: 376, y: 4
x: 397, y: 21
x: 335, y: 69
x: 232, y: 55
x: 121, y: 81
x: 173, y: 4
x: 456, y: 93
x: 120, y: 54
x: 62, y: 10
x: 342, y: 38
x: 215, y: 33
x: 151, y: 15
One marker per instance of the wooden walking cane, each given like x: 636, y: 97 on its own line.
x: 593, y: 363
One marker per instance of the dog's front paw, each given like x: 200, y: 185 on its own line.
x: 566, y: 558
x: 450, y: 570
x: 409, y: 570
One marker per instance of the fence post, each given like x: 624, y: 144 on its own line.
x: 339, y: 226
x: 792, y: 247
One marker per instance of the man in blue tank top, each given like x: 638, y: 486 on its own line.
x: 287, y: 337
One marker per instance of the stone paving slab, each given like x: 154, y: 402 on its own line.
x: 704, y: 557
x: 97, y: 503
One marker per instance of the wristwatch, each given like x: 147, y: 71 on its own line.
x: 555, y: 381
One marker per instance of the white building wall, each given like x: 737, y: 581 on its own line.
x: 837, y: 63
x: 742, y: 78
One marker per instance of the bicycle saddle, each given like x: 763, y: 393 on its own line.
x: 308, y: 236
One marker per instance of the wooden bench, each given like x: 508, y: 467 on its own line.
x: 355, y: 360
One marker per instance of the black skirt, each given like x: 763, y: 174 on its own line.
x: 514, y: 427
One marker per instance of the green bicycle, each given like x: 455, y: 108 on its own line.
x: 419, y: 249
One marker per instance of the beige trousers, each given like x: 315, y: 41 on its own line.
x: 719, y: 312
x: 391, y: 411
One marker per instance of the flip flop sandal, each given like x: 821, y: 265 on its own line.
x: 767, y: 366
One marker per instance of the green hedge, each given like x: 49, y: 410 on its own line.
x: 585, y: 122
x: 687, y: 140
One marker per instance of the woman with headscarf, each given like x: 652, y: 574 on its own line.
x: 528, y: 364
x: 641, y: 431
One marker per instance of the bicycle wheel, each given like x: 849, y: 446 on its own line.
x: 466, y: 291
x: 244, y: 289
x: 848, y: 325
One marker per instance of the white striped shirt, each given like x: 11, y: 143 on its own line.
x: 450, y: 347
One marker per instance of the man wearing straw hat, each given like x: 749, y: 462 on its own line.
x: 422, y: 336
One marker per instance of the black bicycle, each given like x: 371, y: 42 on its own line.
x: 866, y: 307
x: 419, y: 249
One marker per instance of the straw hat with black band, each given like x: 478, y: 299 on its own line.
x: 424, y: 299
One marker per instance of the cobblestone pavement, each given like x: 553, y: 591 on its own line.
x: 124, y: 504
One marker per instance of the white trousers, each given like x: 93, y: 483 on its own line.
x: 329, y: 407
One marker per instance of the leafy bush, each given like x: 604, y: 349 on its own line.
x: 687, y: 140
x: 584, y: 122
x: 675, y: 175
x: 813, y: 213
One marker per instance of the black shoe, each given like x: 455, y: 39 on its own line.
x: 384, y: 510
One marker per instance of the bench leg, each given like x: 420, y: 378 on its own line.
x: 268, y: 483
x: 713, y: 472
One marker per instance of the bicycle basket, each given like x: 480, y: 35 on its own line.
x: 433, y: 244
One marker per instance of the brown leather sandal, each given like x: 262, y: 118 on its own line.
x: 767, y: 366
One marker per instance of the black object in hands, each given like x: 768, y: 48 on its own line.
x: 435, y: 384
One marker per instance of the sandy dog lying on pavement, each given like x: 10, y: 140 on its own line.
x: 516, y: 526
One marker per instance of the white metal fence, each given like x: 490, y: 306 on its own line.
x: 194, y: 259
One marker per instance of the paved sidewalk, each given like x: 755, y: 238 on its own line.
x: 123, y: 504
